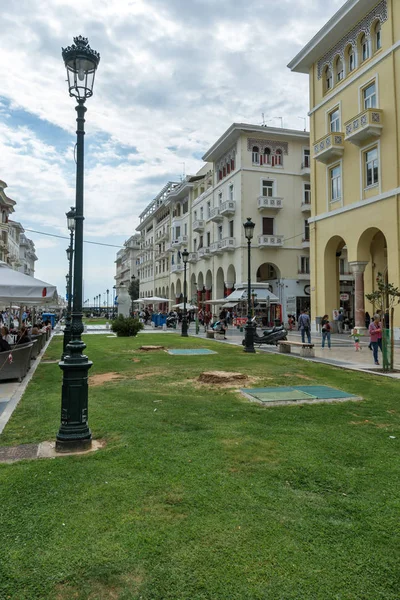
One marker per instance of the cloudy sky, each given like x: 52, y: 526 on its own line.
x: 173, y: 76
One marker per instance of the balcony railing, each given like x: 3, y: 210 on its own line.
x: 204, y: 253
x: 269, y: 203
x: 270, y: 241
x: 227, y: 208
x: 176, y: 268
x: 228, y: 244
x: 306, y: 206
x: 215, y: 247
x: 215, y: 214
x: 329, y: 147
x: 199, y: 225
x: 305, y: 243
x: 163, y: 237
x: 169, y: 247
x: 368, y: 124
x: 305, y: 168
x: 179, y: 241
x: 192, y: 258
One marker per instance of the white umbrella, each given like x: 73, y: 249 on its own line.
x: 17, y: 287
x: 188, y: 306
x: 151, y: 300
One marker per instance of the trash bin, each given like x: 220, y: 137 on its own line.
x: 318, y: 321
x: 49, y: 317
x: 163, y: 321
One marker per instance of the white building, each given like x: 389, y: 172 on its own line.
x: 6, y: 208
x: 27, y: 255
x: 250, y: 171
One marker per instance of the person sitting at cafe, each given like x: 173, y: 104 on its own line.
x: 22, y: 336
x: 35, y: 330
x: 4, y: 345
x: 220, y: 327
x: 6, y: 336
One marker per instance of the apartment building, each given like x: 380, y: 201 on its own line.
x: 250, y: 171
x: 127, y: 261
x: 27, y: 255
x: 353, y: 64
x: 6, y: 209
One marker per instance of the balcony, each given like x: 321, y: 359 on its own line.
x: 177, y: 268
x: 204, y: 253
x: 169, y: 248
x: 215, y: 247
x: 182, y: 239
x: 192, y: 258
x: 199, y: 225
x: 269, y: 203
x: 270, y: 241
x: 228, y: 208
x: 228, y: 244
x: 161, y: 255
x: 303, y: 275
x: 329, y: 147
x: 215, y: 215
x: 305, y: 243
x: 163, y: 237
x: 305, y: 169
x: 306, y: 207
x: 368, y: 124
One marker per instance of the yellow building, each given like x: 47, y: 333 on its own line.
x: 353, y: 64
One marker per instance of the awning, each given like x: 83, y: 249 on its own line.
x: 260, y: 294
x: 182, y: 306
x: 17, y: 287
x: 151, y: 300
x: 229, y: 305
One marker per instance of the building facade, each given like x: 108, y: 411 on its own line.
x: 251, y: 171
x: 353, y: 64
x: 6, y: 209
x: 27, y: 255
x: 127, y: 262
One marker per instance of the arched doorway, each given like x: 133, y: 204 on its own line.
x: 338, y: 279
x: 267, y: 272
x: 230, y: 280
x: 208, y: 287
x: 220, y: 284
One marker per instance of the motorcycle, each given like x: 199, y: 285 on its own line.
x: 171, y: 321
x: 270, y: 336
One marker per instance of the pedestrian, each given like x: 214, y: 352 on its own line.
x: 340, y: 321
x: 304, y: 326
x: 355, y: 334
x: 375, y: 332
x: 326, y: 331
x: 291, y: 322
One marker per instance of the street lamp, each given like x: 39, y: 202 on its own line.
x: 114, y: 294
x: 249, y: 328
x: 74, y: 434
x: 108, y: 291
x: 184, y: 332
x: 70, y: 255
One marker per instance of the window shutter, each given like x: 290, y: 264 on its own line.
x: 261, y: 159
x: 273, y: 161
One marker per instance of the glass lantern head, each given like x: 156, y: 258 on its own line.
x: 81, y: 63
x: 249, y: 228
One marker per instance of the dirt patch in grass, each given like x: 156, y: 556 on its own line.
x: 151, y: 348
x: 217, y: 377
x: 129, y: 582
x: 101, y: 378
x: 136, y: 360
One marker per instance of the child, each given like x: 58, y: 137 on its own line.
x: 356, y: 337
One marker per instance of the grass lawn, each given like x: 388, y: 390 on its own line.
x: 96, y: 321
x: 200, y: 494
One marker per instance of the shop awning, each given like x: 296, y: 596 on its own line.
x: 261, y: 295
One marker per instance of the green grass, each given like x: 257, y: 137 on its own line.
x: 200, y: 494
x: 96, y: 321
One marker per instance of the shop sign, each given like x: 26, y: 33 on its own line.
x: 344, y: 297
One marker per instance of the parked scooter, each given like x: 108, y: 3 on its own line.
x: 171, y: 321
x: 270, y: 336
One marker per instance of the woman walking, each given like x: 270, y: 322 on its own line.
x: 326, y: 331
x: 375, y: 332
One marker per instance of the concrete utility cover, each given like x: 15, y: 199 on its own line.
x: 299, y: 394
x: 191, y: 352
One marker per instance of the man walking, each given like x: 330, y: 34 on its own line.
x: 340, y: 322
x: 304, y: 326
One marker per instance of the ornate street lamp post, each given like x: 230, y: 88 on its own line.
x: 108, y: 291
x: 74, y: 434
x: 184, y: 333
x: 70, y: 255
x: 249, y: 328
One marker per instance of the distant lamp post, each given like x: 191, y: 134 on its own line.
x: 74, y: 434
x: 185, y: 256
x: 70, y: 255
x: 114, y: 294
x: 249, y: 328
x: 108, y: 291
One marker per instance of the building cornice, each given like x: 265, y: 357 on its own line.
x: 343, y: 20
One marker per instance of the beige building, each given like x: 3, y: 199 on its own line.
x: 6, y: 209
x: 27, y: 255
x: 251, y: 171
x: 127, y: 261
x: 353, y: 64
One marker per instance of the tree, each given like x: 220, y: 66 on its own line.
x: 133, y: 289
x: 385, y: 298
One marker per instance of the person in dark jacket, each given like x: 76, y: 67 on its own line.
x: 4, y: 345
x: 23, y: 337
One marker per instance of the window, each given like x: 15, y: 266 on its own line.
x: 219, y: 175
x: 306, y: 158
x: 219, y: 232
x: 185, y: 207
x: 231, y: 228
x: 341, y: 266
x: 208, y: 209
x: 351, y: 59
x: 208, y: 239
x: 328, y: 79
x: 304, y: 264
x: 232, y: 164
x: 339, y: 70
x: 306, y: 231
x: 336, y: 183
x: 200, y: 242
x: 256, y: 155
x: 194, y: 245
x: 267, y: 156
x: 371, y: 167
x: 185, y: 229
x: 278, y: 157
x: 201, y: 212
x: 307, y: 193
x: 378, y: 40
x: 334, y: 120
x: 177, y: 232
x: 364, y: 47
x: 267, y: 188
x: 220, y: 198
x: 268, y: 226
x: 228, y: 167
x: 231, y: 192
x: 369, y: 96
x: 195, y: 215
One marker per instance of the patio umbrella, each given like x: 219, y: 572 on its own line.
x: 17, y: 287
x: 188, y: 306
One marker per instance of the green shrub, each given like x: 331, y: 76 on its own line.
x: 126, y: 326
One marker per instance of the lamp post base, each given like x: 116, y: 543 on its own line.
x: 73, y: 445
x: 248, y: 341
x: 184, y: 332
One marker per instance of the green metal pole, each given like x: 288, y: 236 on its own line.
x: 249, y: 329
x: 68, y: 320
x: 74, y: 432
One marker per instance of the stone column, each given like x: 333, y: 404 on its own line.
x: 358, y: 268
x: 229, y: 287
x: 208, y: 297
